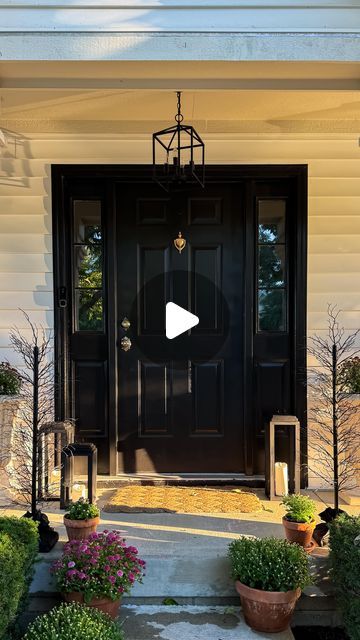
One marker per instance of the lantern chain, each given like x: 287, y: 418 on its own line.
x: 179, y: 117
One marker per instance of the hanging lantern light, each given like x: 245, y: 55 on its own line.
x: 178, y: 154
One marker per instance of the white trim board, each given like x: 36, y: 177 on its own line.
x: 180, y: 46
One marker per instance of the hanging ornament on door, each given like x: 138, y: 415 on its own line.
x: 180, y: 242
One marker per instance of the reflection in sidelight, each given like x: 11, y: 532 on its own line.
x: 89, y: 306
x: 272, y: 221
x: 271, y: 266
x: 88, y: 261
x: 88, y: 266
x: 272, y: 311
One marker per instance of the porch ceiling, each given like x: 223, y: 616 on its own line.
x: 218, y: 97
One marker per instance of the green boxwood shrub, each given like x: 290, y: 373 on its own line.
x: 23, y: 531
x: 73, y: 622
x: 18, y: 549
x: 12, y: 580
x: 345, y: 569
x: 269, y: 564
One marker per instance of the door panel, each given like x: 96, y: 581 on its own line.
x: 90, y: 384
x: 180, y: 401
x: 207, y: 379
x: 152, y: 264
x: 205, y: 271
x: 154, y: 384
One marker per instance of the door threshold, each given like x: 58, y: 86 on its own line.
x: 176, y: 479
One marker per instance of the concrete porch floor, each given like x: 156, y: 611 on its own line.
x: 165, y: 534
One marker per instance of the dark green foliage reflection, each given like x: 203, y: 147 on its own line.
x: 271, y: 310
x: 88, y: 259
x: 271, y: 266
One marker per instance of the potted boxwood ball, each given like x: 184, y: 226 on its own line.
x: 269, y: 575
x: 81, y: 520
x: 299, y: 520
x: 73, y: 622
x: 98, y: 571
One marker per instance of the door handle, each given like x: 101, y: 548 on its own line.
x: 125, y: 343
x: 125, y: 323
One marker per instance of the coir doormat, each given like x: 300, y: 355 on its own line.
x: 167, y: 499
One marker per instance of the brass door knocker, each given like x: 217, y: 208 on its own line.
x: 180, y: 242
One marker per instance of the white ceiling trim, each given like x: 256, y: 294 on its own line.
x: 181, y: 46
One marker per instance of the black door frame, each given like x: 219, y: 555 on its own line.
x: 104, y: 175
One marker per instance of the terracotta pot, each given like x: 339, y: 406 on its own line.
x: 80, y: 529
x: 110, y: 607
x: 267, y: 611
x: 300, y: 532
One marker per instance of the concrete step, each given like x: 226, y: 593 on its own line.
x: 188, y: 578
x: 193, y: 579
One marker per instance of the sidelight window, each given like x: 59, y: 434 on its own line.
x: 88, y: 266
x: 271, y: 266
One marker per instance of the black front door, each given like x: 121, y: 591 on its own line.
x: 181, y: 400
x: 197, y: 403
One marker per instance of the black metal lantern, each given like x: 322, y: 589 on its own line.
x: 182, y: 153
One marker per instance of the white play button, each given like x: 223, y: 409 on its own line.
x: 178, y: 320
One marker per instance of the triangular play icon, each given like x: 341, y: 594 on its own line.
x: 178, y: 320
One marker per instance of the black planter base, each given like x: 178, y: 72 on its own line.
x: 48, y: 535
x: 321, y: 531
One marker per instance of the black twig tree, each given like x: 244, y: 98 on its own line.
x: 36, y: 408
x: 333, y: 414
